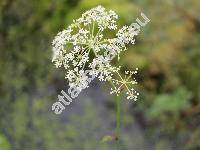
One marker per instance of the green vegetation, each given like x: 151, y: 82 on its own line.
x: 167, y: 53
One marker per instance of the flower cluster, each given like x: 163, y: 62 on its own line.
x: 126, y: 82
x: 83, y: 46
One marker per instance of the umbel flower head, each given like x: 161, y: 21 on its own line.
x: 83, y: 45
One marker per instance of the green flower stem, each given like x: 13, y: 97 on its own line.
x: 118, y: 120
x: 118, y: 123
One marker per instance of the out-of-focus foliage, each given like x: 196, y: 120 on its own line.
x: 4, y: 143
x: 167, y: 53
x: 173, y: 103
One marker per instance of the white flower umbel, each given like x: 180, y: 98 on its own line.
x: 120, y: 83
x: 83, y: 45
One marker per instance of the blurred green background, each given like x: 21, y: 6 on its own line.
x: 167, y: 53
